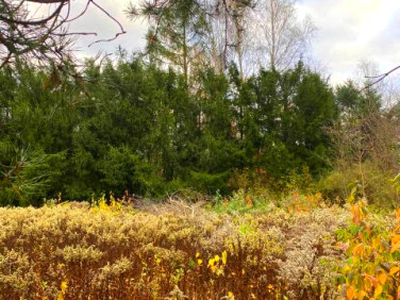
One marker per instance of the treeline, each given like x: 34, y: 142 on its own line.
x: 132, y: 126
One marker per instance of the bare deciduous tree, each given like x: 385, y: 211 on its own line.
x: 280, y: 38
x: 264, y: 33
x: 225, y: 40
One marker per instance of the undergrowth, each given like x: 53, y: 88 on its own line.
x: 299, y: 249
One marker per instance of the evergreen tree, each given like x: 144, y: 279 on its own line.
x: 176, y: 33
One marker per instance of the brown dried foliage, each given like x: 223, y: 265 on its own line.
x: 77, y: 252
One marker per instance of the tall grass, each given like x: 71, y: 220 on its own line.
x: 171, y: 251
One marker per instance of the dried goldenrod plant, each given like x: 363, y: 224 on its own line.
x: 109, y: 251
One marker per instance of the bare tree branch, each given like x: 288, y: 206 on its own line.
x: 378, y: 78
x: 80, y: 14
x: 112, y: 18
x: 47, y: 1
x: 41, y: 39
x: 37, y: 22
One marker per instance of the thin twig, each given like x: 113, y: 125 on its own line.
x: 107, y: 40
x: 75, y: 33
x: 378, y: 78
x: 6, y: 60
x: 111, y: 17
x: 81, y: 13
x: 37, y: 22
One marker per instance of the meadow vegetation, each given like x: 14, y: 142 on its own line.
x: 301, y: 249
x: 267, y: 179
x: 219, y: 183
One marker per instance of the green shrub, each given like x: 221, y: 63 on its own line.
x: 370, y: 181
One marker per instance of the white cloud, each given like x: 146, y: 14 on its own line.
x: 351, y: 31
x: 97, y: 21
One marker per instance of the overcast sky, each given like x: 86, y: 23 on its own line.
x: 349, y: 32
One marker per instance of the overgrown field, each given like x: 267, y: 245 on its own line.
x: 300, y: 250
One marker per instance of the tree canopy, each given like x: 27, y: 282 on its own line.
x: 182, y: 114
x: 132, y: 126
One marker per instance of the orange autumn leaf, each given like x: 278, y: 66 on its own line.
x: 358, y: 250
x: 394, y: 270
x: 350, y: 293
x: 395, y: 239
x: 378, y: 290
x: 382, y: 278
x: 361, y: 295
x: 376, y: 243
x: 395, y: 247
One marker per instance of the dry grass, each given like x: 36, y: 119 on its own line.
x: 170, y: 251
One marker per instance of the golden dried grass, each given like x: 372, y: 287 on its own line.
x: 171, y: 251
